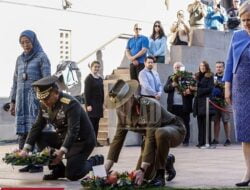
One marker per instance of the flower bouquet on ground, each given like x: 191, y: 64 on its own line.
x: 115, y: 180
x: 184, y: 80
x: 39, y: 158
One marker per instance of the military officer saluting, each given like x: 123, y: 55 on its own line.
x: 74, y: 135
x: 161, y: 129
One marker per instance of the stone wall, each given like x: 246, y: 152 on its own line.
x: 7, y: 123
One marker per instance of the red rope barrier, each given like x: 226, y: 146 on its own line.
x: 219, y: 108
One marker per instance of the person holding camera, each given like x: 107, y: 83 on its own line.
x: 216, y: 16
x: 196, y: 14
x: 233, y: 22
x: 180, y: 30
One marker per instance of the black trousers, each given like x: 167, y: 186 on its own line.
x: 202, y: 130
x: 21, y: 140
x: 77, y: 164
x: 134, y: 71
x: 95, y: 123
x: 178, y: 110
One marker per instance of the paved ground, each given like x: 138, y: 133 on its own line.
x: 205, y: 168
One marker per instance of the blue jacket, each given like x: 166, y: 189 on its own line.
x: 23, y: 94
x: 239, y: 42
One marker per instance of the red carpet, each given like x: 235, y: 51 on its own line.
x: 30, y: 188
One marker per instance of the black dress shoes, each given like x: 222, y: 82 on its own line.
x: 96, y: 160
x: 31, y: 169
x: 159, y: 179
x: 157, y: 182
x: 36, y: 169
x: 58, y: 171
x: 25, y: 169
x: 243, y: 184
x: 171, y: 173
x: 53, y: 176
x: 200, y: 145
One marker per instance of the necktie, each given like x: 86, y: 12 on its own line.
x: 155, y: 81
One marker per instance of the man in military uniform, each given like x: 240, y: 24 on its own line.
x: 160, y: 128
x: 74, y: 135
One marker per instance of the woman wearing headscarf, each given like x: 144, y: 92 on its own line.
x: 32, y: 65
x: 237, y: 88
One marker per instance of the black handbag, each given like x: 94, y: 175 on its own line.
x: 177, y: 40
x: 233, y: 22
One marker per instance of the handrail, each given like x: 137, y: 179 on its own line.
x: 121, y: 36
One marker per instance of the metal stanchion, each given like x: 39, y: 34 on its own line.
x: 207, y: 126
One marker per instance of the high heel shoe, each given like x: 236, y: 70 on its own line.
x: 243, y: 184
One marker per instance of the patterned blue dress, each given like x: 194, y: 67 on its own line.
x: 36, y: 65
x: 241, y: 97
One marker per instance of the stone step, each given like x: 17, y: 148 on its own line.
x: 102, y: 134
x: 104, y: 141
x: 103, y: 127
x: 120, y: 67
x: 108, y: 81
x: 105, y: 113
x: 120, y: 76
x: 103, y: 121
x: 121, y: 71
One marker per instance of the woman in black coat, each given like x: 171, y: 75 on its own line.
x: 94, y: 95
x: 205, y: 84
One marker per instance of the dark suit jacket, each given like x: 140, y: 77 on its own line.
x: 204, y: 89
x: 187, y: 100
x: 94, y: 95
x: 70, y: 121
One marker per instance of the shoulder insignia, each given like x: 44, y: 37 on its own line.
x: 65, y: 100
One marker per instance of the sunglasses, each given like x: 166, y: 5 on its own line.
x: 157, y: 26
x: 137, y: 28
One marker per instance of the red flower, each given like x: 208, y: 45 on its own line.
x: 132, y: 175
x: 112, y: 179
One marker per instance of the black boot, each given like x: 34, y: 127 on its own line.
x: 25, y: 169
x: 58, y: 171
x: 35, y: 169
x: 159, y: 179
x: 171, y: 173
x: 96, y: 160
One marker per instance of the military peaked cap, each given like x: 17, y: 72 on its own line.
x: 44, y: 86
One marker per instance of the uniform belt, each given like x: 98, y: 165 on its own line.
x: 147, y: 96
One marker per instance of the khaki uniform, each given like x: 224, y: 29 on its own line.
x: 160, y: 128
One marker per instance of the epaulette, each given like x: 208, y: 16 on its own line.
x: 65, y: 100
